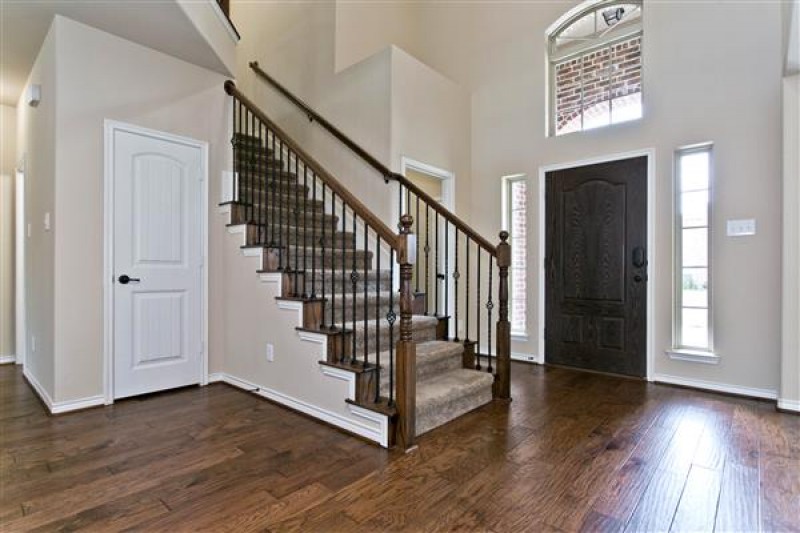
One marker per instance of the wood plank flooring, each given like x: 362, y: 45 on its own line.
x: 572, y: 452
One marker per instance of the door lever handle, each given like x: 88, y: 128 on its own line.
x: 125, y: 279
x: 639, y: 259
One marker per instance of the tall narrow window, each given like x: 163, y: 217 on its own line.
x: 515, y: 222
x: 692, y: 250
x: 596, y: 66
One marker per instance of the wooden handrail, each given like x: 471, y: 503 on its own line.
x: 370, y: 219
x: 384, y: 171
x: 314, y: 116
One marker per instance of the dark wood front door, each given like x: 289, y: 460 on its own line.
x: 596, y: 267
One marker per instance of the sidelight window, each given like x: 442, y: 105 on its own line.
x: 515, y: 222
x: 595, y: 58
x: 693, y: 330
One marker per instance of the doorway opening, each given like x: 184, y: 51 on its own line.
x: 20, y: 331
x: 596, y: 290
x: 439, y: 185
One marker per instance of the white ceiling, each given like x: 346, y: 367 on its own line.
x: 159, y: 24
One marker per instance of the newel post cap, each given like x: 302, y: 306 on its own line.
x: 503, y: 251
x: 405, y: 224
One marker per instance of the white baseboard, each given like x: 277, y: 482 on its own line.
x: 75, y: 405
x: 7, y: 359
x: 716, y: 387
x: 789, y: 405
x: 216, y: 377
x: 525, y: 358
x: 377, y: 434
x: 65, y: 406
x: 37, y: 388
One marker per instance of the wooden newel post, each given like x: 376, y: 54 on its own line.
x: 406, y: 348
x: 503, y: 378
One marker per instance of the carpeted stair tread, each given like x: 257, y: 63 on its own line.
x: 333, y: 281
x: 450, y: 395
x: 433, y: 358
x: 375, y: 303
x: 423, y: 329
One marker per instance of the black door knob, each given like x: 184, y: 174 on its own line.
x: 125, y: 279
x: 637, y: 278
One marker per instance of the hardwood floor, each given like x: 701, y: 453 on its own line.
x: 573, y: 451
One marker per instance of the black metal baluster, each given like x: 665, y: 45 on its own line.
x: 250, y: 178
x: 353, y: 281
x: 322, y: 258
x: 366, y: 297
x: 281, y: 254
x: 391, y: 317
x: 262, y: 186
x: 344, y: 284
x: 489, y: 307
x: 236, y: 156
x: 305, y: 231
x: 447, y: 274
x: 427, y: 258
x: 254, y: 177
x: 400, y: 202
x: 272, y: 193
x: 377, y: 316
x: 243, y: 161
x: 456, y: 275
x: 296, y: 183
x: 416, y: 230
x: 436, y: 264
x: 478, y: 314
x: 314, y: 237
x: 466, y: 292
x: 333, y: 262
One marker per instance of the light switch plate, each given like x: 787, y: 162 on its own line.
x: 741, y: 228
x: 47, y: 221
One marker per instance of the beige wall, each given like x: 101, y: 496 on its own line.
x: 339, y: 57
x: 8, y: 158
x: 365, y: 28
x: 430, y: 122
x: 36, y: 144
x: 728, y: 94
x: 294, y: 43
x: 125, y: 82
x: 790, y: 357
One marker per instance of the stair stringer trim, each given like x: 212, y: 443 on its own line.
x: 354, y: 419
x: 376, y: 431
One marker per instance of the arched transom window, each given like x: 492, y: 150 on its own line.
x: 595, y: 54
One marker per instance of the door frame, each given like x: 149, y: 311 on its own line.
x: 449, y: 202
x: 20, y: 235
x: 110, y: 127
x: 650, y: 153
x: 447, y: 178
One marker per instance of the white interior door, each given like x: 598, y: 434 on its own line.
x: 158, y: 261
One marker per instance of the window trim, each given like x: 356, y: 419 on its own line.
x: 680, y: 350
x: 614, y: 37
x: 507, y: 182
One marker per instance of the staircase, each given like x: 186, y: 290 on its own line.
x: 353, y: 277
